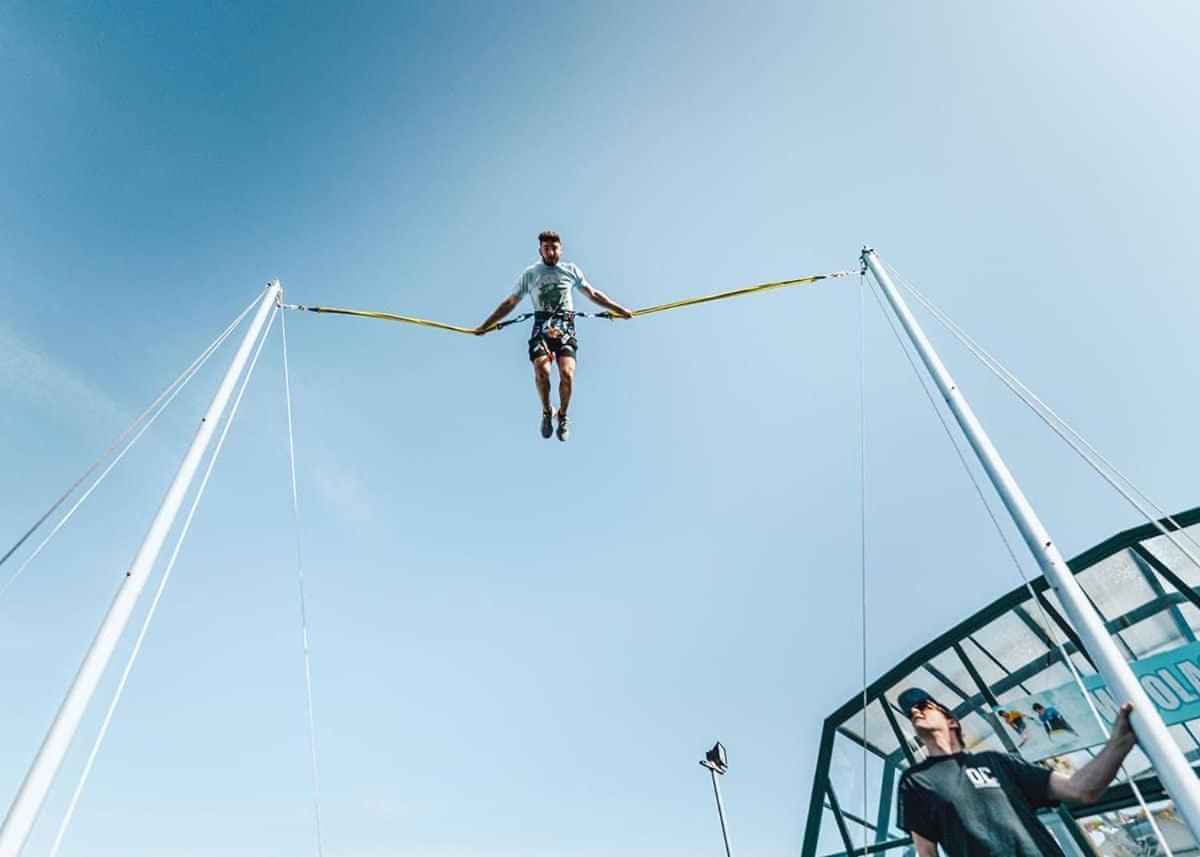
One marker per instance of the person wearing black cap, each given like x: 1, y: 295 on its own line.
x: 985, y: 804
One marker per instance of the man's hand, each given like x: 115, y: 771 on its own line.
x: 622, y: 312
x: 1122, y: 734
x: 479, y: 331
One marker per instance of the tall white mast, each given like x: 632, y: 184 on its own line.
x: 28, y: 803
x: 1169, y: 761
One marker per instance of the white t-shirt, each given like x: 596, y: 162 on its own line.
x: 550, y: 286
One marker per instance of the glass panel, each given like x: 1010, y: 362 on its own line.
x: 829, y: 840
x: 1034, y: 612
x: 1193, y: 725
x: 1191, y: 615
x: 1010, y: 642
x: 1049, y: 627
x: 1116, y: 585
x: 894, y: 832
x: 1173, y: 558
x: 1156, y: 634
x: 1186, y: 741
x: 858, y: 834
x: 1055, y: 675
x: 849, y: 769
x: 1082, y: 664
x: 845, y: 768
x: 1009, y: 695
x: 986, y: 666
x: 879, y: 732
x: 1156, y: 579
x: 848, y: 766
x: 875, y: 769
x: 948, y: 664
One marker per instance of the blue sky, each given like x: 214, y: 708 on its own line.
x: 519, y: 646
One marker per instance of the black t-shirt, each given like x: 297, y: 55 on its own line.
x: 978, y: 805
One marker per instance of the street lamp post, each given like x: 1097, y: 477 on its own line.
x: 715, y: 761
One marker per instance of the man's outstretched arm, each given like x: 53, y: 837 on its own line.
x: 506, y: 306
x: 1089, y: 782
x: 598, y: 297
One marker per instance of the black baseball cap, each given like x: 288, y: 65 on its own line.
x: 913, y: 697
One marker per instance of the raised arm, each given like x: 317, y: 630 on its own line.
x: 506, y: 306
x: 1089, y: 782
x: 598, y: 297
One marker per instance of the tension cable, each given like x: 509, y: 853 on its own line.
x: 145, y: 419
x: 1079, y: 444
x: 312, y: 726
x: 162, y: 585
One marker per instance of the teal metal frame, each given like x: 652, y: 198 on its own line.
x: 1118, y: 796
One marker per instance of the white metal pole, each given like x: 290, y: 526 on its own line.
x: 1169, y: 761
x: 720, y: 812
x: 28, y: 803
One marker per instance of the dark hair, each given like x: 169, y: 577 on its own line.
x: 548, y: 235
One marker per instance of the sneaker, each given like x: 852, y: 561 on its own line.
x: 564, y: 428
x: 547, y: 428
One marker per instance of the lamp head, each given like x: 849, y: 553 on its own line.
x: 715, y: 759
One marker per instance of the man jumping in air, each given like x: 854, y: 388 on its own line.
x: 549, y: 284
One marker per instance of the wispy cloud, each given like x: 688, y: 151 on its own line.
x: 28, y: 373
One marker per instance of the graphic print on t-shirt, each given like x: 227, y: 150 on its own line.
x: 982, y: 778
x: 552, y: 292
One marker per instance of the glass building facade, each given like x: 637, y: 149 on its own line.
x: 991, y: 666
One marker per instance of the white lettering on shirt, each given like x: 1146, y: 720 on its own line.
x: 982, y: 778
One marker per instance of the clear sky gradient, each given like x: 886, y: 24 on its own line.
x: 522, y: 647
